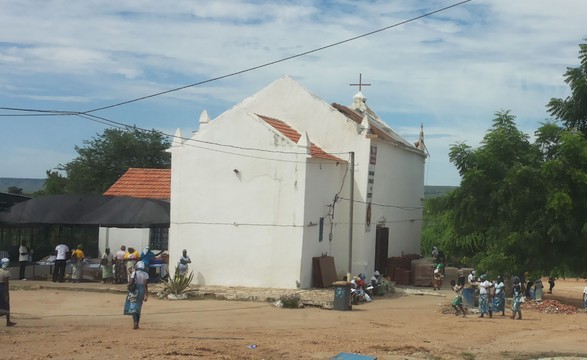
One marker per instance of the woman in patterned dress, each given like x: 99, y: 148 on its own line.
x: 138, y: 293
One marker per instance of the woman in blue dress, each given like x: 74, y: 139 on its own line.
x: 138, y: 292
x: 499, y: 298
x: 518, y: 297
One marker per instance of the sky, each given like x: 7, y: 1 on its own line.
x: 450, y: 71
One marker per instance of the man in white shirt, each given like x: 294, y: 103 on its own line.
x: 61, y: 252
x: 471, y: 279
x: 23, y: 260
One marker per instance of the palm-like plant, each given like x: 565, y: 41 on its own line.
x: 178, y: 284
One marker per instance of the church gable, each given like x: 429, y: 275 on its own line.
x: 295, y: 136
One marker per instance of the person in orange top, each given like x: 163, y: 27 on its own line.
x: 78, y: 257
x: 131, y: 257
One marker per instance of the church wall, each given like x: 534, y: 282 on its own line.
x: 323, y: 181
x: 242, y: 227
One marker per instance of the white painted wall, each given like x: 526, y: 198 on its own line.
x: 250, y: 227
x: 324, y: 180
x: 237, y: 225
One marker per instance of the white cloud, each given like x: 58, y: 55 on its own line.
x: 451, y: 71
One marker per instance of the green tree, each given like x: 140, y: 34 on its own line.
x: 572, y: 111
x: 564, y: 173
x: 55, y: 184
x: 106, y: 157
x: 498, y: 183
x: 14, y: 190
x: 521, y: 206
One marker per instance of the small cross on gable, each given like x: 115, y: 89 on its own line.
x: 360, y: 84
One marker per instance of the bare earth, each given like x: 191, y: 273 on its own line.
x: 90, y: 325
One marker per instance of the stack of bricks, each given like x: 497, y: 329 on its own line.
x: 400, y: 268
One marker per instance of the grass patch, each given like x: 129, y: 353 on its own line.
x: 468, y: 356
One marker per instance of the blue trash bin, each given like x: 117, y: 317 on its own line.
x: 469, y: 297
x: 342, y: 296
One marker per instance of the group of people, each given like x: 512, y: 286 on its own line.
x: 361, y: 290
x: 127, y: 265
x: 491, y: 294
x: 118, y: 268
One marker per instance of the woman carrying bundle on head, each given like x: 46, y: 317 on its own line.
x: 138, y: 292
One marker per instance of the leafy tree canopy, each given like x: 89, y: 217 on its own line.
x: 521, y: 206
x: 572, y: 111
x: 106, y: 157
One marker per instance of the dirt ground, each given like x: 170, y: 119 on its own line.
x: 90, y: 325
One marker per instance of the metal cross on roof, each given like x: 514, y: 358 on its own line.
x: 360, y: 84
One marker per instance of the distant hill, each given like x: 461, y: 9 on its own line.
x: 28, y: 186
x: 431, y: 191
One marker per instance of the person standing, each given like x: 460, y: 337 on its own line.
x: 78, y: 257
x: 120, y: 274
x: 5, y: 291
x: 484, y: 305
x: 435, y: 254
x: 184, y: 260
x: 138, y: 292
x: 437, y: 279
x: 518, y: 296
x: 131, y: 257
x: 106, y: 263
x: 457, y: 302
x: 550, y: 284
x: 471, y: 279
x: 538, y: 289
x: 61, y: 252
x: 585, y: 297
x: 499, y: 297
x: 23, y: 260
x: 460, y: 277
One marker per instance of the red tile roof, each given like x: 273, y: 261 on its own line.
x: 348, y: 112
x: 294, y: 136
x: 390, y: 136
x: 143, y: 183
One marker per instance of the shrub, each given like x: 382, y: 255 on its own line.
x: 291, y: 301
x: 178, y: 284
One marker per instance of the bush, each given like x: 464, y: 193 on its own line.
x: 177, y: 285
x: 291, y: 301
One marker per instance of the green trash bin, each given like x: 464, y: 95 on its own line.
x: 342, y: 296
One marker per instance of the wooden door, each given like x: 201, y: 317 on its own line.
x: 381, y: 249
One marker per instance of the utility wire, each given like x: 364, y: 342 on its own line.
x: 112, y: 123
x: 120, y: 125
x: 280, y: 60
x: 384, y: 205
x: 258, y: 66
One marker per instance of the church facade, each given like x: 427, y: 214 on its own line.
x: 267, y: 186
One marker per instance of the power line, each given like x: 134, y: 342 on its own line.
x: 280, y: 60
x: 120, y: 125
x: 389, y: 206
x: 258, y: 66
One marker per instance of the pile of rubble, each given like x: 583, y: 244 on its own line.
x: 550, y: 307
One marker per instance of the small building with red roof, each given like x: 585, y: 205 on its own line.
x: 143, y: 183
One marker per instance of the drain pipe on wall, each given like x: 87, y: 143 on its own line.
x: 351, y: 206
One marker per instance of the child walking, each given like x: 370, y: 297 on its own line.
x: 457, y: 302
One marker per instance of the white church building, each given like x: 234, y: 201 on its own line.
x: 265, y: 187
